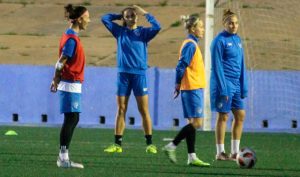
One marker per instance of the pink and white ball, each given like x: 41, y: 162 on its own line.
x: 246, y: 158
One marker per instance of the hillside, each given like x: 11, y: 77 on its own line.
x: 31, y: 29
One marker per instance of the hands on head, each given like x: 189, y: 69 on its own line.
x: 139, y: 10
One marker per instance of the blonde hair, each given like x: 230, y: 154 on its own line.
x: 227, y: 14
x: 190, y: 21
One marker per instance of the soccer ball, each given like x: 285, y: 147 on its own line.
x: 246, y: 158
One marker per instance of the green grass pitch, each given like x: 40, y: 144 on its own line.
x: 34, y: 151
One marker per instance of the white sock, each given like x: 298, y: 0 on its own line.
x: 192, y: 156
x: 64, y: 153
x: 171, y: 145
x: 220, y: 148
x: 235, y: 146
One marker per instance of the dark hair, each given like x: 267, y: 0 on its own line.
x: 190, y: 20
x: 123, y: 12
x: 74, y: 12
x: 226, y: 14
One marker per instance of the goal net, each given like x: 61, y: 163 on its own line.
x: 270, y: 30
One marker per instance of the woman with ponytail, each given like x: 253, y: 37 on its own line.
x: 132, y: 61
x: 68, y: 78
x: 228, y: 84
x: 190, y: 81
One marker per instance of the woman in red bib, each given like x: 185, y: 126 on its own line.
x: 68, y: 78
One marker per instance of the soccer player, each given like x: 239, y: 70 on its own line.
x: 190, y: 81
x: 228, y: 84
x: 132, y: 41
x: 69, y: 75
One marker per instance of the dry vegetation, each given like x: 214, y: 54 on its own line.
x: 31, y: 29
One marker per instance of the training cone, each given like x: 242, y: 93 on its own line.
x: 11, y: 132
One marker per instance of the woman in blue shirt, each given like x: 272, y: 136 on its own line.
x: 68, y: 78
x: 190, y: 81
x: 228, y: 84
x: 132, y: 59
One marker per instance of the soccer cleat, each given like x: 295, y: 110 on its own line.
x: 198, y: 163
x: 151, y: 149
x: 113, y: 148
x: 68, y: 164
x: 222, y: 156
x: 233, y: 157
x: 171, y: 153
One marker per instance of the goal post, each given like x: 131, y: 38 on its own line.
x: 209, y: 33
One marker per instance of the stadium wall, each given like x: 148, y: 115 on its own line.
x: 25, y: 99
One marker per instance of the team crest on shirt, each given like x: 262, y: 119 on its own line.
x: 145, y: 89
x: 229, y: 44
x: 137, y: 32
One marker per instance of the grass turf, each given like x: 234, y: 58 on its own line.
x: 34, y: 151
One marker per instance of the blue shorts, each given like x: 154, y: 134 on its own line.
x: 192, y: 103
x: 69, y: 102
x: 127, y: 82
x: 234, y: 102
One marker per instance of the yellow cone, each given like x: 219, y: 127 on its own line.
x: 11, y: 132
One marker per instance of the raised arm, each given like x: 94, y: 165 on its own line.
x: 113, y: 27
x: 148, y: 33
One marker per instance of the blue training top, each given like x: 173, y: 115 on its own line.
x: 70, y: 46
x: 227, y: 64
x: 185, y: 59
x: 132, y: 52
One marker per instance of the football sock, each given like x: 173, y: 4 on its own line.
x: 66, y: 132
x: 235, y: 146
x: 118, y: 139
x: 148, y: 139
x: 220, y: 148
x: 63, y: 153
x: 183, y: 133
x: 191, y: 139
x: 171, y: 146
x: 192, y: 156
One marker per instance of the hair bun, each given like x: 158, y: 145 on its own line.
x: 69, y: 7
x: 184, y: 17
x: 227, y: 12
